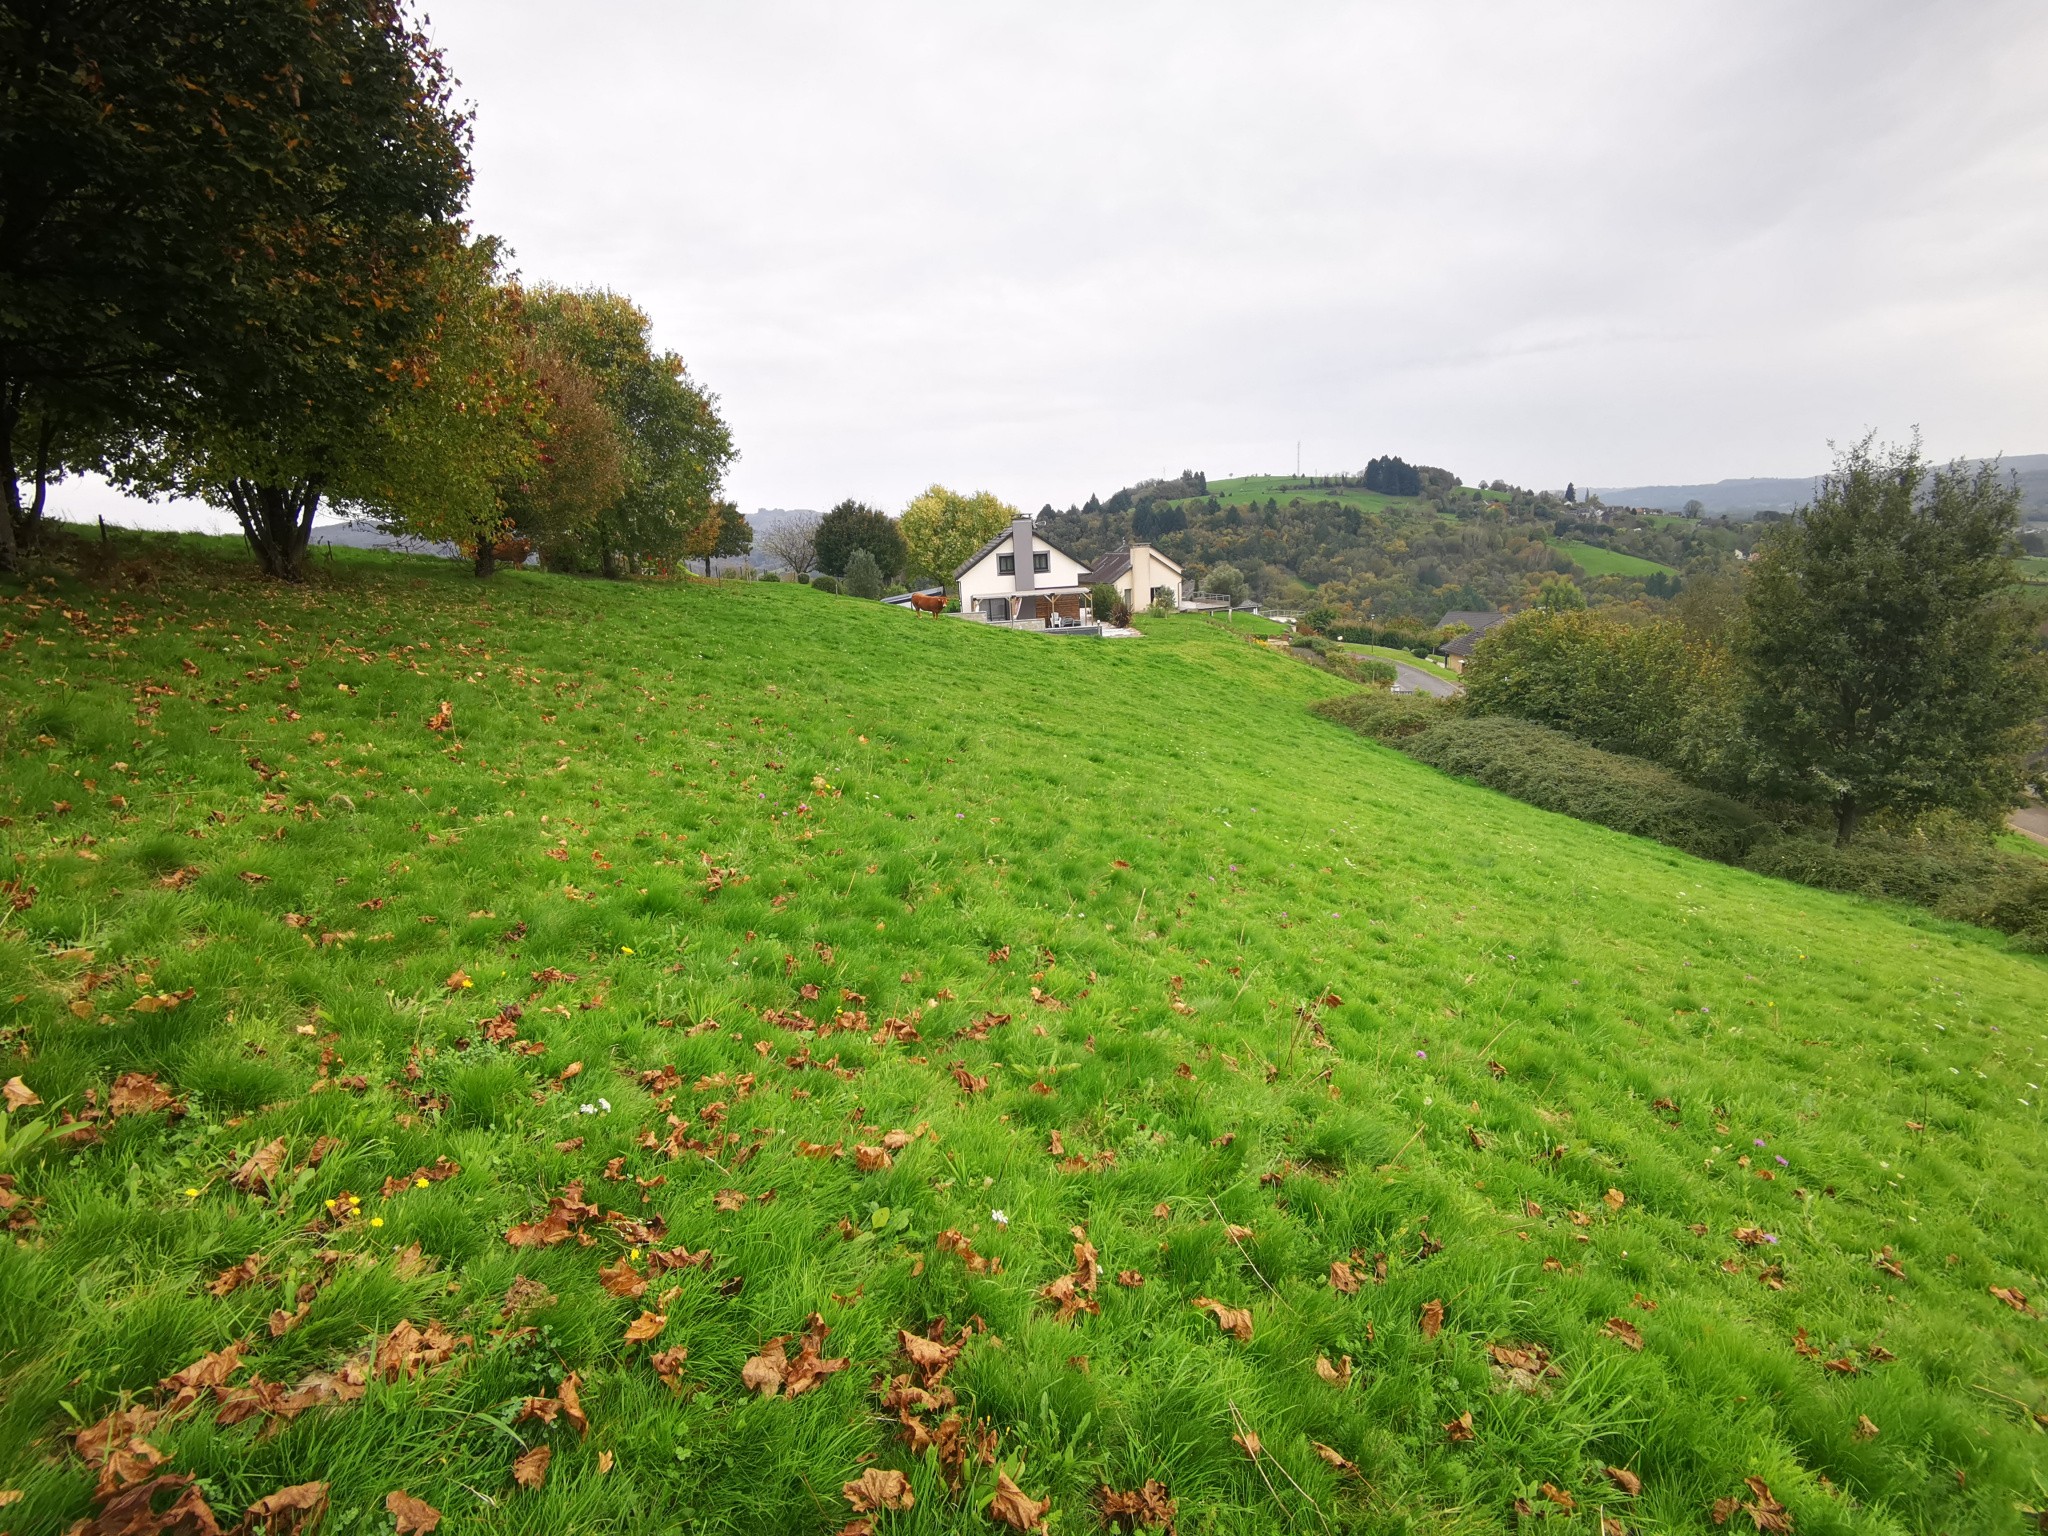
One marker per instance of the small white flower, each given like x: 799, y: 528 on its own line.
x: 605, y: 1105
x: 999, y: 1218
x: 586, y: 1109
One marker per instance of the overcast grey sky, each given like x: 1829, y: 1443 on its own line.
x: 1052, y: 248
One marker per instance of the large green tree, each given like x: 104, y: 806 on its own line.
x: 448, y: 453
x: 220, y: 220
x: 675, y: 446
x: 854, y: 525
x: 941, y: 528
x: 1889, y: 665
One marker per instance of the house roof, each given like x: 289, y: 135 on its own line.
x: 1462, y: 645
x: 983, y: 553
x: 1478, y: 623
x: 1118, y: 560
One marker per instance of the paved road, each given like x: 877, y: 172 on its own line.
x: 1415, y: 680
x: 2032, y: 822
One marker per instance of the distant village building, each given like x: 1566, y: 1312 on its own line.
x: 1018, y: 578
x: 1456, y: 650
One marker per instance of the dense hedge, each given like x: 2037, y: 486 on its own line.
x: 1955, y: 876
x: 1970, y: 882
x: 1549, y: 769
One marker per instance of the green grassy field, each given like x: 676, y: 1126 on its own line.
x: 1595, y: 560
x: 2033, y: 568
x: 437, y: 992
x: 1284, y: 488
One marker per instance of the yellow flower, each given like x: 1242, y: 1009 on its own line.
x: 625, y: 949
x: 467, y: 983
x: 376, y: 1221
x: 419, y: 1183
x: 191, y: 1194
x: 330, y: 1205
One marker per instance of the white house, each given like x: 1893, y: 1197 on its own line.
x: 1018, y: 578
x: 1140, y: 574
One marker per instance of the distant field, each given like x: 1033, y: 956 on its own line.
x: 1284, y: 488
x: 2034, y: 568
x: 1596, y: 561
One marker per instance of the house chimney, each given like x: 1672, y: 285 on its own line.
x: 1020, y: 550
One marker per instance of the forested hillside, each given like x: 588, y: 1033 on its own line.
x: 1367, y: 553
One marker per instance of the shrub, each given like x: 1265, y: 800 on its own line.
x: 1967, y: 880
x: 1549, y: 769
x: 824, y: 584
x: 1101, y: 599
x: 863, y: 577
x: 1319, y: 620
x: 803, y: 578
x: 1647, y: 690
x: 1120, y: 615
x: 1388, y: 718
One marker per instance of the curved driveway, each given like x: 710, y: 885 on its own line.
x: 1415, y: 680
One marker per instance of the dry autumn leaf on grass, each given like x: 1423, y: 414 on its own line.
x: 1343, y: 1278
x: 1336, y: 1375
x: 772, y: 1372
x: 19, y: 1095
x: 1621, y: 1328
x: 414, y: 1517
x: 1013, y: 1507
x: 646, y: 1326
x: 1432, y: 1320
x: 877, y: 1488
x: 530, y: 1468
x: 1235, y: 1321
x: 1625, y: 1480
x: 289, y: 1509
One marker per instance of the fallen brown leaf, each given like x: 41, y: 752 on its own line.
x: 415, y: 1517
x: 645, y: 1327
x: 1335, y: 1375
x: 1621, y: 1328
x: 1235, y: 1321
x: 289, y: 1509
x: 1432, y: 1319
x: 1459, y: 1429
x: 878, y: 1488
x: 1343, y: 1278
x: 530, y: 1468
x: 260, y: 1172
x: 19, y: 1095
x: 1625, y: 1480
x: 1013, y: 1507
x: 1865, y: 1429
x: 1141, y: 1509
x: 1335, y: 1458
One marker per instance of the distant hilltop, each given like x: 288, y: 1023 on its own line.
x: 1746, y: 498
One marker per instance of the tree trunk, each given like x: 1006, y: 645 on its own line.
x: 608, y: 564
x: 11, y: 391
x: 277, y: 520
x: 1848, y: 816
x: 486, y: 557
x: 30, y: 531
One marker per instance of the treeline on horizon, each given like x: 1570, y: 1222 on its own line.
x: 237, y: 268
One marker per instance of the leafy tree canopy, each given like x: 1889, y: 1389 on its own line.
x: 941, y: 528
x: 854, y: 525
x: 1890, y: 666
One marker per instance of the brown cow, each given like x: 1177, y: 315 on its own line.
x: 933, y: 603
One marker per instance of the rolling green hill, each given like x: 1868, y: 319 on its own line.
x: 423, y: 994
x: 1597, y: 561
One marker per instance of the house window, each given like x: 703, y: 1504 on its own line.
x: 1006, y: 565
x: 1041, y: 563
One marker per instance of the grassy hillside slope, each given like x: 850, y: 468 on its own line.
x: 1596, y: 560
x: 703, y: 892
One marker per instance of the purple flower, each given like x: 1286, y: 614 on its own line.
x: 1422, y: 1055
x: 1758, y: 1142
x: 1770, y: 1237
x: 1783, y: 1164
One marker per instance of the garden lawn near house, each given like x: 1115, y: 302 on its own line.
x: 1450, y: 1152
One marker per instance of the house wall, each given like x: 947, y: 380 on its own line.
x: 982, y: 579
x: 1149, y: 569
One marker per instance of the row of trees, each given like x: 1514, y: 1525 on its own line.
x: 933, y: 537
x: 1876, y: 661
x: 235, y: 267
